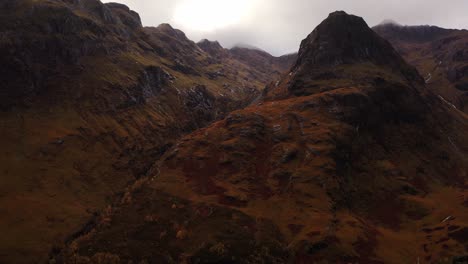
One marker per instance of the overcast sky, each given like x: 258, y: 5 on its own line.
x: 278, y: 26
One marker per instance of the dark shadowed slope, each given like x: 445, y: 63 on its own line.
x: 337, y: 43
x: 257, y: 59
x: 348, y: 159
x: 440, y: 55
x: 89, y: 99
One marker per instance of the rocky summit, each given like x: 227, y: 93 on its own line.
x: 130, y: 144
x: 339, y: 41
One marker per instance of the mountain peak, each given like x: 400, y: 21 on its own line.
x: 343, y: 39
x: 246, y: 46
x: 392, y: 22
x: 209, y: 42
x: 169, y: 30
x: 126, y: 15
x: 344, y: 48
x: 338, y: 13
x: 211, y: 47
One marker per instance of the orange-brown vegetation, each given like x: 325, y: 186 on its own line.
x: 348, y: 159
x: 89, y: 99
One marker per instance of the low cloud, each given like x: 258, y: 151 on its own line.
x: 278, y: 26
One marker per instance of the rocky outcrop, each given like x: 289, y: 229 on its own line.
x: 339, y: 41
x: 152, y: 83
x: 343, y: 39
x: 48, y: 38
x: 213, y: 48
x: 126, y: 16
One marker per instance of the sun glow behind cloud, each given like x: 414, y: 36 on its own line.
x: 210, y: 15
x: 278, y: 26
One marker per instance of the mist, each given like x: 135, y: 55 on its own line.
x: 278, y: 26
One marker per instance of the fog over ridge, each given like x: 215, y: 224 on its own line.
x: 278, y: 26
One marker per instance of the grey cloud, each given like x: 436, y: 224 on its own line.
x: 279, y: 25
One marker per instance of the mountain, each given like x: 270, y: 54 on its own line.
x: 260, y: 60
x: 389, y: 22
x: 336, y: 43
x: 89, y: 99
x: 439, y: 54
x: 416, y: 34
x: 213, y: 48
x: 349, y: 158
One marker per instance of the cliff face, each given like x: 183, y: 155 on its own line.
x: 88, y: 100
x: 338, y: 42
x: 42, y: 40
x: 345, y: 39
x: 439, y: 55
x: 348, y: 158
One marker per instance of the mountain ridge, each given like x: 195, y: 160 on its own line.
x: 354, y: 169
x: 439, y: 56
x: 89, y: 99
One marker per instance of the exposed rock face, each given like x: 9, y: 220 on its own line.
x: 339, y: 41
x: 173, y: 44
x: 345, y: 39
x: 337, y: 169
x: 438, y: 54
x: 42, y: 40
x: 213, y: 48
x: 127, y: 17
x: 151, y: 83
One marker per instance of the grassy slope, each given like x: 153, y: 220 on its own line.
x: 281, y: 163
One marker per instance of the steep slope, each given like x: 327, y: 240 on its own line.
x: 262, y: 60
x: 335, y: 44
x: 439, y: 54
x: 265, y: 65
x: 349, y: 159
x: 89, y: 99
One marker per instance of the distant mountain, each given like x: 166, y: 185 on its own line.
x: 349, y: 158
x: 439, y: 54
x: 247, y: 46
x: 389, y: 22
x: 213, y: 48
x: 262, y: 61
x: 253, y: 57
